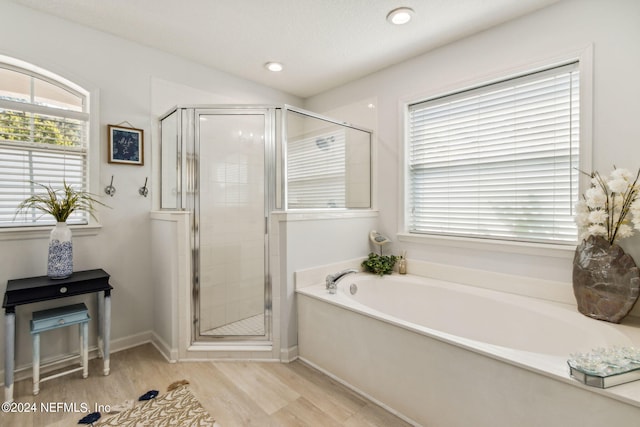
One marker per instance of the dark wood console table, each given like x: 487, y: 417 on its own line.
x: 42, y: 288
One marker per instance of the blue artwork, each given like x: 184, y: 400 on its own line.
x: 126, y: 145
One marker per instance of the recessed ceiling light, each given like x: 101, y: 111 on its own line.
x: 273, y: 66
x: 400, y: 16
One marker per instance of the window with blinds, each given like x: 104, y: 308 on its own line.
x: 316, y: 171
x: 43, y: 139
x: 499, y: 161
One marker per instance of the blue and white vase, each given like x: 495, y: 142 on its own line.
x: 60, y: 263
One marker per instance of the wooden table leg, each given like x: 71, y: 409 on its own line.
x: 9, y: 353
x: 106, y: 331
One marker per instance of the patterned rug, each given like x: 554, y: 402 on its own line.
x: 178, y: 407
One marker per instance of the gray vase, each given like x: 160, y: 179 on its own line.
x: 606, y: 280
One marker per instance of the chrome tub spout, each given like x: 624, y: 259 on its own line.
x: 332, y: 279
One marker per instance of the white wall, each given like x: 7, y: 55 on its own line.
x: 612, y: 27
x: 308, y: 240
x: 135, y: 84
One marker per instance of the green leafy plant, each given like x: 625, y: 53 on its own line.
x: 379, y: 264
x: 60, y: 203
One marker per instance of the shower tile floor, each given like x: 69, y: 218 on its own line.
x: 250, y: 326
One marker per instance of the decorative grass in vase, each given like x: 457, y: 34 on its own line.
x: 60, y: 203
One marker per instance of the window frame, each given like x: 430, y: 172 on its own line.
x: 584, y: 58
x: 78, y: 86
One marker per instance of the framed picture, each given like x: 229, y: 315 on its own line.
x: 126, y: 145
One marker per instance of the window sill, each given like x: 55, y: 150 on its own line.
x: 538, y: 249
x: 318, y: 214
x: 43, y: 232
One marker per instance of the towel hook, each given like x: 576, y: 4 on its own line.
x: 144, y: 191
x: 110, y: 189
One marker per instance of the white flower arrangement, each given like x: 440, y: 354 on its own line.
x: 611, y: 207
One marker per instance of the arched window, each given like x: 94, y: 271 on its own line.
x: 44, y: 133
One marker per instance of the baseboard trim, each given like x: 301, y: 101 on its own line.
x: 288, y: 355
x: 358, y: 391
x: 64, y: 360
x: 131, y: 341
x: 170, y: 354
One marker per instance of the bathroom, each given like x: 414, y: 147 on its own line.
x: 151, y: 86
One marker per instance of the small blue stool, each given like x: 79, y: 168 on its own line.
x: 54, y: 318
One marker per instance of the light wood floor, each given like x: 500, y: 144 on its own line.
x: 234, y: 393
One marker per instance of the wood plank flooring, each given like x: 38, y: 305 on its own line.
x: 236, y: 394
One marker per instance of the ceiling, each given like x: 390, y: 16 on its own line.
x: 322, y: 43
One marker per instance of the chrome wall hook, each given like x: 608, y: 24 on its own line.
x: 110, y: 189
x: 144, y: 191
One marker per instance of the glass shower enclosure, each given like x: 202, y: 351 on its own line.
x: 214, y: 163
x: 230, y: 166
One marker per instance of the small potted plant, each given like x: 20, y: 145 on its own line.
x: 60, y: 203
x: 379, y: 264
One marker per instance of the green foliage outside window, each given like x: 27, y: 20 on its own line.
x: 26, y: 127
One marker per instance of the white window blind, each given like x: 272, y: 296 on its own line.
x: 43, y: 139
x: 499, y: 161
x: 316, y: 171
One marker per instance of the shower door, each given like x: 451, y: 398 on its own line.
x: 231, y: 206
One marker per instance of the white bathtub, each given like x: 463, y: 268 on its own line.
x: 443, y: 354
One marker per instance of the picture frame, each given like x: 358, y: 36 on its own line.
x: 126, y: 145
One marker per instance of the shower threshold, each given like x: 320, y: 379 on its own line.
x: 251, y: 326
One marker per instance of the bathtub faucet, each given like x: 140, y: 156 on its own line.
x: 332, y: 279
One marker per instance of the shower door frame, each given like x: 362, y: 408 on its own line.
x: 193, y: 204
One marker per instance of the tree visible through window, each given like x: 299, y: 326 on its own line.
x: 18, y: 126
x: 43, y: 138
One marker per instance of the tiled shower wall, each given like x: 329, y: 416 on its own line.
x: 231, y: 219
